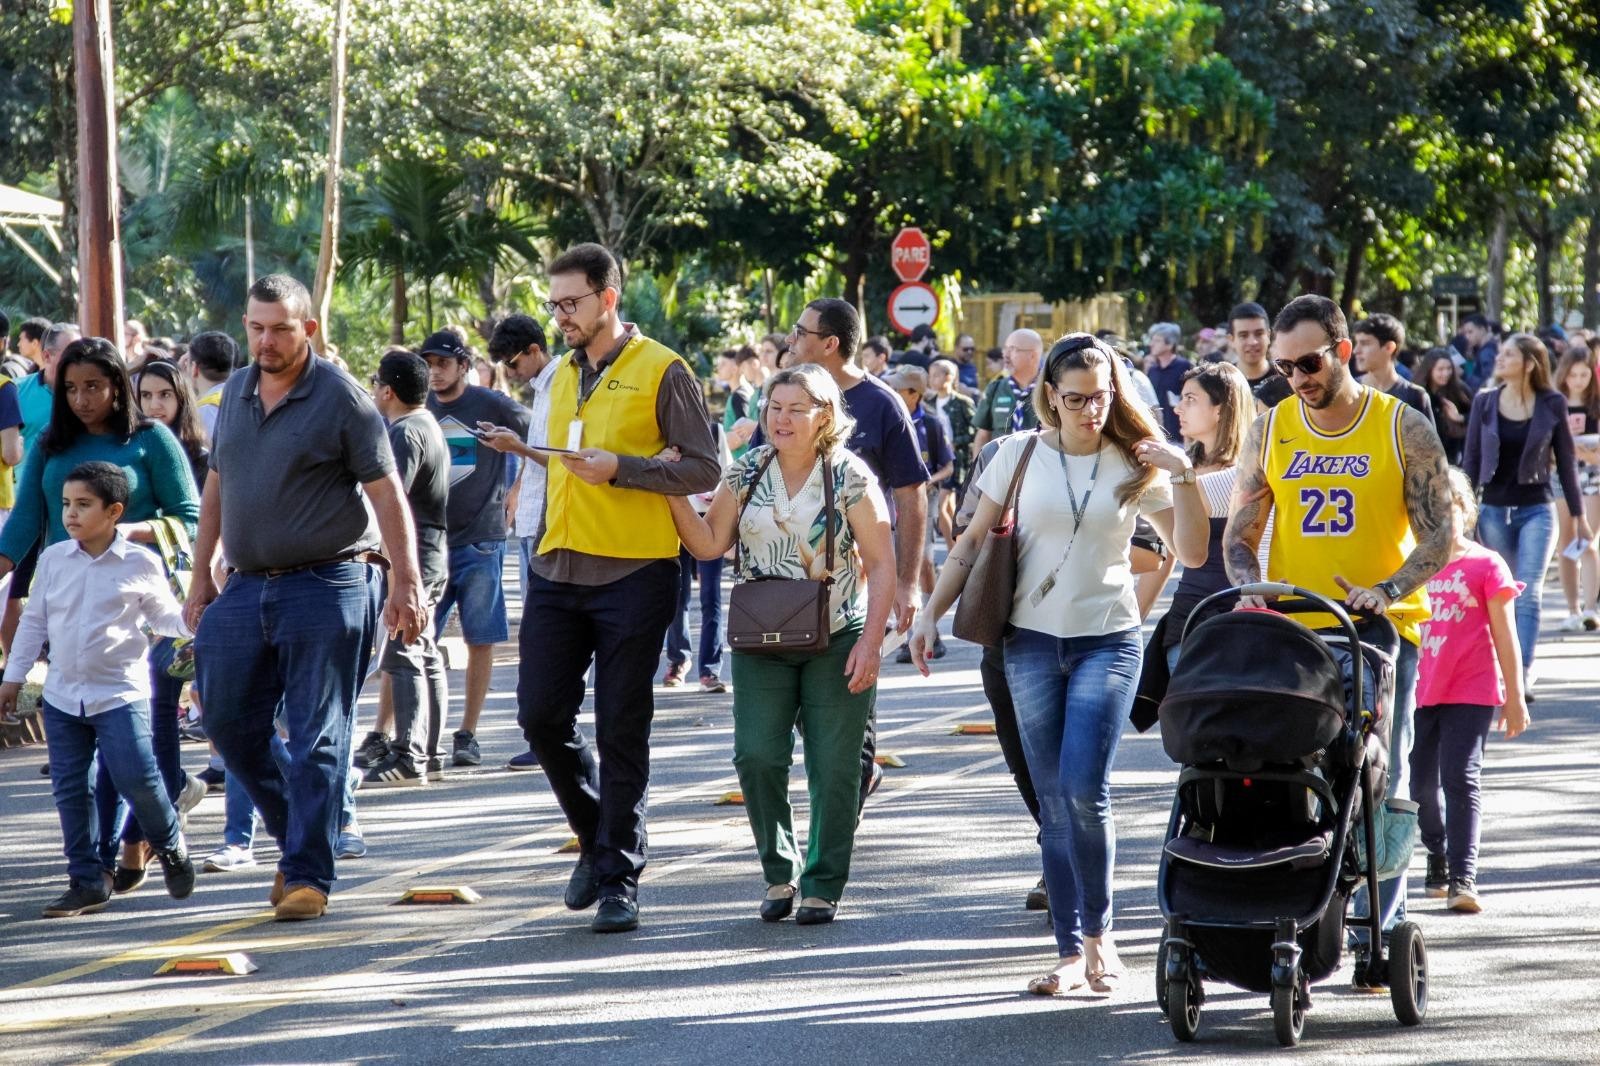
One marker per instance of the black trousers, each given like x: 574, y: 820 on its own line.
x: 619, y: 627
x: 992, y: 670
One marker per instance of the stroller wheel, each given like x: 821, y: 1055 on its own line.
x: 1183, y: 1007
x: 1289, y: 1011
x: 1408, y: 973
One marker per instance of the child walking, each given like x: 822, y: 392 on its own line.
x: 91, y: 595
x: 1469, y: 676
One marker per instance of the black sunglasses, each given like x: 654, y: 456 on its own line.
x: 1306, y: 364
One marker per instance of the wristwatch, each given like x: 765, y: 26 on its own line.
x: 1185, y: 478
x: 1390, y: 590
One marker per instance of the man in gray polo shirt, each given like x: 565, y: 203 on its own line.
x: 297, y: 444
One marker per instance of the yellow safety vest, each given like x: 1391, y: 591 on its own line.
x: 619, y: 416
x: 210, y: 399
x: 1340, y: 505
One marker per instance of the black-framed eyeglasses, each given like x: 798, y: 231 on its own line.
x: 1308, y: 364
x: 797, y: 331
x: 1077, y: 401
x: 569, y: 306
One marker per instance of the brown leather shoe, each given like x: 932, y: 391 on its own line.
x: 302, y: 904
x: 275, y: 897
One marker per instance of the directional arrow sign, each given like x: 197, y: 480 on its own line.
x: 911, y: 305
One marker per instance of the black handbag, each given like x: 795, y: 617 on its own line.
x: 781, y: 614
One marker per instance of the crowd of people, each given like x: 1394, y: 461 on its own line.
x: 265, y: 524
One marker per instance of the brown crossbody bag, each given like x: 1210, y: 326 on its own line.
x: 782, y: 614
x: 984, y: 610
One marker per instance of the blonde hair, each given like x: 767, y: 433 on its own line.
x: 1464, y: 496
x: 1127, y: 423
x: 819, y: 385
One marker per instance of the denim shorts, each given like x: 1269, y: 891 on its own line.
x: 475, y: 588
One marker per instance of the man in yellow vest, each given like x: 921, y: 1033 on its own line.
x: 603, y: 584
x: 212, y: 357
x: 1356, y: 485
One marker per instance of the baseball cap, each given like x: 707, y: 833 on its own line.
x: 445, y: 342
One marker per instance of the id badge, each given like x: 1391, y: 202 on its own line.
x: 575, y: 434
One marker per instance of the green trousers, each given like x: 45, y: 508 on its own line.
x: 772, y: 695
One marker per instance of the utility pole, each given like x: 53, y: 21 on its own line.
x: 99, y: 209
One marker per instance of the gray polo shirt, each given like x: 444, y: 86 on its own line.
x: 291, y: 480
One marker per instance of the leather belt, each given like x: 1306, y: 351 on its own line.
x: 371, y: 557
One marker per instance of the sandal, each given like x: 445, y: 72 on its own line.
x: 1105, y: 976
x: 1067, y: 976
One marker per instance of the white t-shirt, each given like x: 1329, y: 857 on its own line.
x: 1094, y: 589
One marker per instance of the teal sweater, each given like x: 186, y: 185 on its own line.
x: 159, y: 485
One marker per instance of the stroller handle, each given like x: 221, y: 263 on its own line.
x: 1306, y: 602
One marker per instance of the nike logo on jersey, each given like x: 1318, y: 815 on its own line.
x: 1306, y: 465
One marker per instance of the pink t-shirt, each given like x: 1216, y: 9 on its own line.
x: 1457, y: 663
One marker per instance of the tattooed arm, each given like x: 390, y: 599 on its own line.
x: 1252, y: 504
x: 1427, y: 482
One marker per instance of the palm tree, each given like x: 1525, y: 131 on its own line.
x: 417, y: 222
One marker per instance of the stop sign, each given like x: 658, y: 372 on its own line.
x: 910, y: 254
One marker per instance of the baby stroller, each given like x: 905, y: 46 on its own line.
x: 1284, y: 749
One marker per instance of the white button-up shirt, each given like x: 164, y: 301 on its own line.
x: 91, y: 609
x: 530, y: 496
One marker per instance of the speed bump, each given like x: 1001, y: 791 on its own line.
x: 730, y: 799
x: 439, y: 894
x: 232, y: 964
x: 973, y: 729
x: 892, y: 761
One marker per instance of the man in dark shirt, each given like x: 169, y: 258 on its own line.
x: 478, y: 486
x: 299, y: 454
x: 1249, y: 338
x: 1377, y: 341
x: 419, y: 694
x: 604, y: 584
x: 933, y: 441
x: 1165, y: 368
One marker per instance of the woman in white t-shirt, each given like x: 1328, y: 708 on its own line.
x: 1072, y: 652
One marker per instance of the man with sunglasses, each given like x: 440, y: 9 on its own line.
x: 603, y: 586
x: 1357, y: 488
x: 966, y: 359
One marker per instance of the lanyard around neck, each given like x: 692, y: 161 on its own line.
x: 1078, y: 511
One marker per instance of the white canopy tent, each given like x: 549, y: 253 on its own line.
x: 20, y: 209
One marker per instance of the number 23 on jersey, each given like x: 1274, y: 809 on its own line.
x: 1327, y: 512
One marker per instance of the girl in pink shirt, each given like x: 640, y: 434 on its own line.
x: 1468, y: 677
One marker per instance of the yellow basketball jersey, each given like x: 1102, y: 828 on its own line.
x: 1339, y: 504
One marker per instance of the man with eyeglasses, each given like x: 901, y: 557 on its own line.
x: 1357, y: 489
x: 603, y: 585
x: 1007, y: 404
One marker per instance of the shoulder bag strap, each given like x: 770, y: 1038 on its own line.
x: 829, y: 517
x: 738, y: 561
x: 1013, y: 502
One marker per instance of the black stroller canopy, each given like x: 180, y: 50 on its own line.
x: 1253, y: 685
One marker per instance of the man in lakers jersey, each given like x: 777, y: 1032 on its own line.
x: 1354, y: 482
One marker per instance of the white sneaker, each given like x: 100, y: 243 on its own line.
x: 229, y: 857
x: 1573, y: 623
x: 193, y: 791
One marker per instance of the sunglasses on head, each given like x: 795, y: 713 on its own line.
x: 1306, y: 364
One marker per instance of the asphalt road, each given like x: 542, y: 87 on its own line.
x: 927, y: 963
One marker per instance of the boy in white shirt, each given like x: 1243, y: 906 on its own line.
x: 91, y: 595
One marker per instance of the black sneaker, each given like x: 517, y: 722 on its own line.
x: 216, y: 779
x: 373, y: 750
x: 1463, y: 896
x: 939, y: 651
x: 177, y: 870
x: 397, y: 771
x: 523, y: 762
x: 80, y: 898
x: 904, y: 654
x: 1038, y: 898
x: 1438, y: 880
x: 617, y: 914
x: 466, y: 751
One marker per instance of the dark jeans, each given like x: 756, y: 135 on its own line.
x: 122, y: 736
x: 111, y: 807
x: 992, y: 669
x: 298, y: 644
x: 619, y: 627
x: 1445, y: 762
x: 678, y: 643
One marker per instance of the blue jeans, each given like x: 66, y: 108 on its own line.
x: 111, y: 807
x: 298, y: 645
x: 678, y: 642
x: 238, y: 812
x: 1402, y: 732
x: 1072, y: 697
x: 475, y: 585
x: 122, y: 736
x: 1523, y: 537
